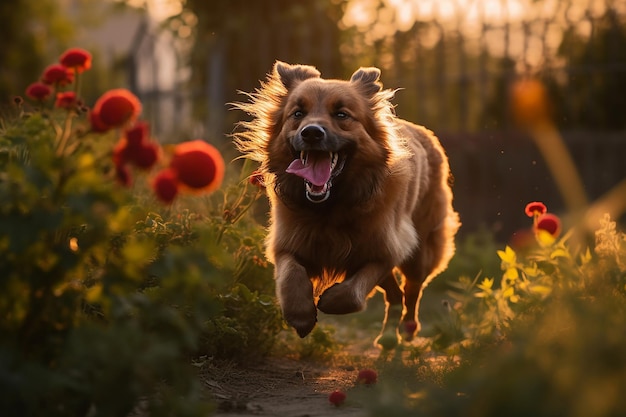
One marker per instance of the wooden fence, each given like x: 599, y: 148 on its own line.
x: 454, y: 69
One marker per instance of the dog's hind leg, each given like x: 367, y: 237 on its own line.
x: 430, y: 259
x: 394, y: 298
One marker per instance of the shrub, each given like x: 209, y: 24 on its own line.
x: 105, y: 291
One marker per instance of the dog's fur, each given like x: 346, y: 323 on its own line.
x: 386, y: 204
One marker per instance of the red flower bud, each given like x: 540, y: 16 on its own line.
x: 550, y: 223
x: 76, y: 59
x: 165, y: 186
x: 137, y: 134
x: 256, y: 179
x: 145, y: 156
x: 57, y: 74
x: 66, y: 100
x: 536, y: 208
x: 38, y: 91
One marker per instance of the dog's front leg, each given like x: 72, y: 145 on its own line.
x: 350, y: 295
x: 295, y: 294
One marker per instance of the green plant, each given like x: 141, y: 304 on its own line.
x: 547, y: 338
x: 106, y: 287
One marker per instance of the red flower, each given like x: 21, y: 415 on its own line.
x: 57, y: 74
x: 38, y: 91
x: 198, y: 165
x: 337, y: 397
x: 76, y: 59
x: 117, y: 107
x: 536, y: 208
x: 146, y: 156
x: 143, y: 155
x: 137, y: 134
x: 97, y: 125
x: 66, y: 100
x: 256, y: 179
x: 367, y: 376
x: 165, y: 186
x: 549, y: 223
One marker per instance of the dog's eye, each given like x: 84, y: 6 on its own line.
x: 341, y: 115
x: 298, y: 114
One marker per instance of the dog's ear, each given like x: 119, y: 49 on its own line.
x: 290, y: 75
x: 368, y: 79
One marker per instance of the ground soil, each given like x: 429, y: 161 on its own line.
x: 279, y: 387
x: 284, y: 385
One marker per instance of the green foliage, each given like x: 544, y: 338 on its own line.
x: 105, y: 293
x: 546, y: 338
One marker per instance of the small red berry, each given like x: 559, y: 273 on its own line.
x: 367, y: 376
x: 337, y: 398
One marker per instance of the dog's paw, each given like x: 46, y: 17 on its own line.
x: 303, y: 322
x: 340, y: 299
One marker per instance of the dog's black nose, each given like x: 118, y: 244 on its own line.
x: 313, y: 133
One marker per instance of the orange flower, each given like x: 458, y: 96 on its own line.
x: 76, y: 59
x: 536, y: 208
x: 549, y: 223
x: 117, y: 107
x: 165, y: 186
x: 198, y: 165
x: 38, y: 91
x: 66, y: 100
x: 57, y: 74
x: 142, y: 155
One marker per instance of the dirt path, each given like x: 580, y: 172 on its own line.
x: 279, y: 387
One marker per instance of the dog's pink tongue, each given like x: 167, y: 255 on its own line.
x: 317, y: 169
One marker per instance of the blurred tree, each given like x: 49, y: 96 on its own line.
x: 593, y: 97
x: 238, y: 41
x: 31, y: 32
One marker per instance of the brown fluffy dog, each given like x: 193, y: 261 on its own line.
x: 354, y: 193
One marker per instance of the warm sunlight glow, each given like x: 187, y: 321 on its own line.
x: 159, y: 10
x: 485, y: 21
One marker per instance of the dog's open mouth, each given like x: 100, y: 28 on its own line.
x: 318, y: 168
